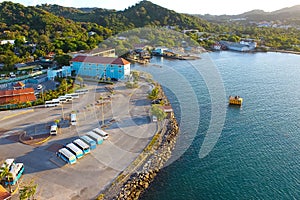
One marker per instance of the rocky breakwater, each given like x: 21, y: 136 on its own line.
x: 158, y: 156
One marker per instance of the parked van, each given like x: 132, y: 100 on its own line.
x: 82, y: 91
x: 89, y: 141
x: 53, y: 129
x: 73, y: 119
x: 62, y: 99
x: 73, y: 95
x: 68, y: 98
x: 154, y: 118
x: 82, y: 145
x: 98, y: 139
x: 75, y: 150
x: 101, y: 133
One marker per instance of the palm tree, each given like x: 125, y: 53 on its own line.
x: 80, y: 80
x: 5, y: 173
x: 28, y: 191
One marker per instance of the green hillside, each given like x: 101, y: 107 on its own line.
x: 44, y: 32
x: 142, y: 14
x: 286, y: 15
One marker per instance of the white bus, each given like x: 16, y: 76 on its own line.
x: 82, y: 145
x: 66, y: 155
x: 82, y: 91
x: 52, y: 103
x: 68, y: 97
x: 98, y: 139
x: 75, y: 150
x: 16, y: 170
x: 62, y: 99
x: 73, y: 95
x: 101, y: 133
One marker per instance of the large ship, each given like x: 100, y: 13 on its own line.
x: 243, y: 45
x: 235, y: 100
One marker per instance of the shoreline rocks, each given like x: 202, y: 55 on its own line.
x: 132, y: 182
x: 139, y: 182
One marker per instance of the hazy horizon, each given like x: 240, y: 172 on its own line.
x: 213, y: 7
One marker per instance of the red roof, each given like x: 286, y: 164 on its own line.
x: 16, y: 96
x: 167, y: 108
x: 101, y: 60
x: 4, y: 194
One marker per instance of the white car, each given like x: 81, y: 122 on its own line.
x: 39, y: 87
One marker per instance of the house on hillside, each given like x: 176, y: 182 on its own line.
x: 17, y: 96
x: 101, y: 67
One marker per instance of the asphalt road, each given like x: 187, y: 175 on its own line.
x: 131, y: 132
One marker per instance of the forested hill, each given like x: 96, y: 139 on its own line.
x: 18, y: 17
x: 288, y: 15
x: 145, y: 13
x: 48, y: 31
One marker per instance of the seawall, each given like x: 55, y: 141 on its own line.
x: 136, y: 178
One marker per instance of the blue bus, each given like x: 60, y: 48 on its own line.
x: 95, y: 136
x: 89, y: 141
x: 66, y: 155
x: 75, y: 150
x: 15, y: 169
x: 82, y: 145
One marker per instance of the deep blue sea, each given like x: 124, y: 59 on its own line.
x: 256, y: 155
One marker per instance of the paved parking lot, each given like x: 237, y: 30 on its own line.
x: 129, y: 134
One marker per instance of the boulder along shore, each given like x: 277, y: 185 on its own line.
x: 136, y: 178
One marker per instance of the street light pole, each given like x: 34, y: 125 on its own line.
x: 62, y: 111
x: 43, y: 94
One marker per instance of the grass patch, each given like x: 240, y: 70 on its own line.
x: 152, y: 142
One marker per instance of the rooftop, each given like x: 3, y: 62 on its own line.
x: 100, y: 60
x: 16, y: 96
x: 4, y: 194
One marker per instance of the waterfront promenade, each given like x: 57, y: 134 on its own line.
x: 130, y: 132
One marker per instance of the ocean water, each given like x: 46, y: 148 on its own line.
x: 256, y: 155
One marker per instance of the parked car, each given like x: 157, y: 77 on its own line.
x: 156, y: 101
x: 39, y: 87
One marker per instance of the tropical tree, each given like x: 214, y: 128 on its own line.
x: 5, y: 173
x: 28, y: 191
x: 158, y: 112
x: 28, y: 104
x: 154, y: 93
x: 80, y: 80
x: 63, y: 87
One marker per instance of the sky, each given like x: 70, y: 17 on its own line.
x: 214, y: 7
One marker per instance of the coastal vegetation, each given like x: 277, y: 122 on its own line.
x: 28, y: 191
x: 158, y: 112
x: 37, y: 31
x: 6, y: 173
x: 154, y: 94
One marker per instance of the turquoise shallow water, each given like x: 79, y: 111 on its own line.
x: 257, y: 155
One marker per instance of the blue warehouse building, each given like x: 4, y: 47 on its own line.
x: 101, y: 67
